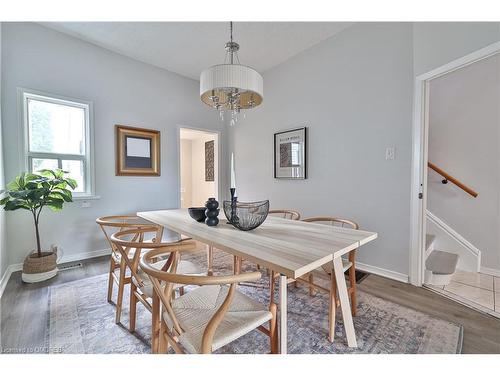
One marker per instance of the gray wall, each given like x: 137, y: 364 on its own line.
x: 464, y: 122
x: 3, y: 241
x: 354, y: 92
x: 438, y: 43
x: 123, y: 91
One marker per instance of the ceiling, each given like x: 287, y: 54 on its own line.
x: 187, y: 48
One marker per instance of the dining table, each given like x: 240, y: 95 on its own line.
x: 290, y: 248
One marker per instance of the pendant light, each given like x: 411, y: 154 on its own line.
x: 231, y: 87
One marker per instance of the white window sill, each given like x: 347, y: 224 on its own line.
x: 86, y: 197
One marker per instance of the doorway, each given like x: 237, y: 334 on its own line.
x: 455, y: 179
x: 198, y: 166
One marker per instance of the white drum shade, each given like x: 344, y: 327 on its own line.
x: 218, y: 80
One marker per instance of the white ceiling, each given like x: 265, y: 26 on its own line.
x: 187, y: 48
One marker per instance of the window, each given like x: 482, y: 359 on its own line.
x: 57, y: 135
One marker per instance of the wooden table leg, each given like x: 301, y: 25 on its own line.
x: 210, y: 260
x: 344, y: 302
x: 283, y: 313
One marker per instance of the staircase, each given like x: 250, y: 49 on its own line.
x: 440, y: 265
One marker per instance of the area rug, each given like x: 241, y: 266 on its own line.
x: 82, y: 321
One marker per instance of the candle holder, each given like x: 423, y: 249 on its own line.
x: 234, y: 217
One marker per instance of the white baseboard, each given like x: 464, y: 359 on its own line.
x: 382, y: 272
x: 84, y: 255
x: 490, y: 271
x: 5, y: 278
x: 65, y: 259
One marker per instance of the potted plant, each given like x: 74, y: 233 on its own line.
x: 33, y: 192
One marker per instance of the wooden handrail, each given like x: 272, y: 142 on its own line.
x: 452, y: 179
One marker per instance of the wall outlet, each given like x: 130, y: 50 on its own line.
x: 85, y: 204
x: 390, y: 153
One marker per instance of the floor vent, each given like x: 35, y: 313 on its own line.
x: 70, y: 266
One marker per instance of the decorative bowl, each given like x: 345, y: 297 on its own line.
x: 197, y: 213
x: 247, y: 216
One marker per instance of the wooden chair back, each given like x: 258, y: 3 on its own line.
x: 164, y: 280
x: 133, y: 240
x: 336, y: 222
x: 285, y: 214
x: 115, y: 223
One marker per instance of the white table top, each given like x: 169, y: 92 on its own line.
x: 292, y: 248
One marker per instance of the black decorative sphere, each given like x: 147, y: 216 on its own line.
x: 211, y: 212
x: 212, y: 221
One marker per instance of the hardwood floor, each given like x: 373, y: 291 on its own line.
x: 24, y: 310
x: 481, y: 331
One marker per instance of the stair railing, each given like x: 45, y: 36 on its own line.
x: 447, y: 177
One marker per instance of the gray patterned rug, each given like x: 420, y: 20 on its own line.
x: 81, y: 321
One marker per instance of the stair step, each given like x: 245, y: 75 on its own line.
x: 441, y: 262
x: 429, y: 239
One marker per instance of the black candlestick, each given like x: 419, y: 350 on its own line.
x: 234, y: 199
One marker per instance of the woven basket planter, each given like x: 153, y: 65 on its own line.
x: 38, y: 269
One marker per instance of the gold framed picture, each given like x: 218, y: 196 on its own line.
x: 137, y: 151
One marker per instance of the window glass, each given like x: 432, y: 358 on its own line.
x: 76, y: 171
x: 56, y: 128
x: 38, y: 164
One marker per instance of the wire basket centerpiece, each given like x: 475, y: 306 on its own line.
x: 246, y: 216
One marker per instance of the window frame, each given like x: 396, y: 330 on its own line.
x: 87, y: 158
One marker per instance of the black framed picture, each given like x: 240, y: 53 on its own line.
x: 290, y: 154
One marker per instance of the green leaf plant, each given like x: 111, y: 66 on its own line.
x: 34, y: 191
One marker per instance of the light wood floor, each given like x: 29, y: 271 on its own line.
x: 24, y: 309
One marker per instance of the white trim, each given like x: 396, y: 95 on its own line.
x: 456, y: 236
x: 419, y: 156
x: 490, y: 271
x: 87, y: 158
x: 5, y: 278
x: 65, y: 259
x: 382, y: 272
x: 218, y: 133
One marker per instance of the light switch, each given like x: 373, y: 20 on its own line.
x: 85, y: 204
x: 390, y: 153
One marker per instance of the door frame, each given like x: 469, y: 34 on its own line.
x: 420, y: 135
x: 218, y: 133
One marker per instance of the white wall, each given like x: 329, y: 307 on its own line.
x: 196, y: 189
x: 123, y: 91
x: 354, y: 92
x: 201, y: 189
x: 186, y: 173
x: 464, y: 140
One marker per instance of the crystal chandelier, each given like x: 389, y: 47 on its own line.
x: 231, y: 86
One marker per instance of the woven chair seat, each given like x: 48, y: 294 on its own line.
x: 195, y: 309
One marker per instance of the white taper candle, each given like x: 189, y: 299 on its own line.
x: 233, y: 178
